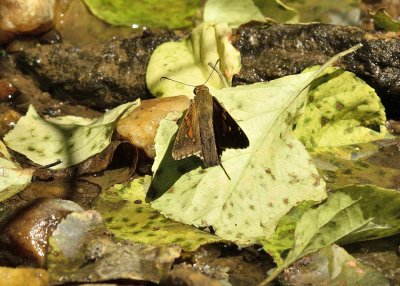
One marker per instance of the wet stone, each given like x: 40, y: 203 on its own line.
x: 8, y: 120
x: 97, y: 76
x: 28, y: 232
x: 8, y: 92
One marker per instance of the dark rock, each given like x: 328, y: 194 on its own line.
x: 12, y: 209
x: 28, y: 93
x: 104, y: 76
x: 50, y: 37
x: 271, y: 51
x: 96, y: 76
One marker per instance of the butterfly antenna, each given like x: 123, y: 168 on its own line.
x: 219, y: 73
x: 50, y: 165
x: 164, y: 77
x: 213, y: 69
x: 226, y: 173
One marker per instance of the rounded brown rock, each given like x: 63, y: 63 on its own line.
x: 8, y: 92
x: 28, y: 232
x: 8, y: 120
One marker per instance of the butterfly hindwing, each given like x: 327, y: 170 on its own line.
x: 187, y: 141
x: 228, y: 133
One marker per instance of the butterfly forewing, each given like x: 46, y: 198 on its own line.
x: 187, y: 141
x: 228, y: 133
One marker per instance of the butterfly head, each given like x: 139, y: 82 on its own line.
x: 200, y: 89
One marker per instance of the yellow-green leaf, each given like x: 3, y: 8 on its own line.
x: 341, y: 110
x: 13, y: 178
x: 187, y: 61
x: 172, y: 14
x: 268, y: 178
x: 128, y: 216
x: 71, y: 139
x: 321, y: 227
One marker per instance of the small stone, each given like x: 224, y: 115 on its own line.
x: 8, y: 92
x: 50, y: 37
x: 8, y: 120
x: 22, y: 16
x: 28, y: 232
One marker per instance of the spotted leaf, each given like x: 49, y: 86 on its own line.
x: 71, y: 139
x: 268, y: 178
x: 128, y: 216
x: 341, y: 110
x: 13, y: 178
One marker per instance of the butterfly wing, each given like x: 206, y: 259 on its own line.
x: 187, y: 142
x: 228, y: 133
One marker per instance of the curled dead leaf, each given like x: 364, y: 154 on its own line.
x: 117, y: 154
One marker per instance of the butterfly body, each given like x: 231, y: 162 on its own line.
x: 206, y: 130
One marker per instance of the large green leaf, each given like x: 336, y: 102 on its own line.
x: 70, y: 139
x: 271, y: 176
x: 13, y: 178
x: 128, y: 216
x: 283, y: 238
x: 345, y: 167
x: 268, y: 178
x: 339, y: 216
x: 187, y: 61
x: 379, y: 205
x: 170, y: 14
x: 342, y: 109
